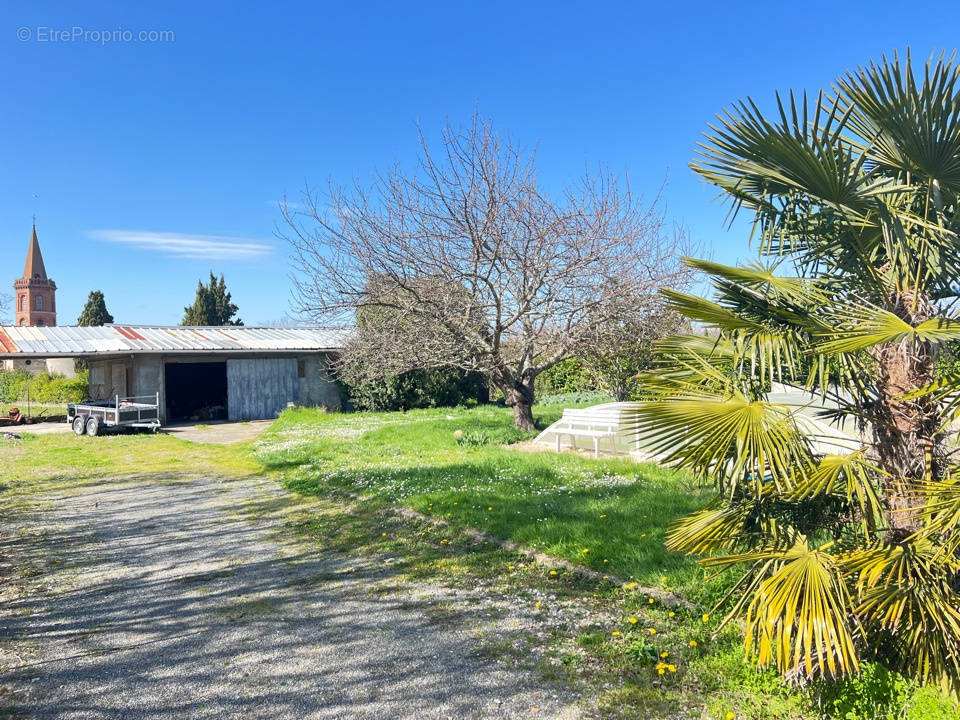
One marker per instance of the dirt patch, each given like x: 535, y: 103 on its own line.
x: 220, y: 432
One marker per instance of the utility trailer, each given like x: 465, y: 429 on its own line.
x: 92, y: 416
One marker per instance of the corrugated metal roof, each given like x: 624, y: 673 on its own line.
x: 139, y: 339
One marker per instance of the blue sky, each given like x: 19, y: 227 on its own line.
x: 155, y: 162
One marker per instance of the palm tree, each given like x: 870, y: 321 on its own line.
x: 846, y: 555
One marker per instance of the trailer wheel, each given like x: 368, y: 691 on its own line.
x: 93, y: 427
x: 79, y: 425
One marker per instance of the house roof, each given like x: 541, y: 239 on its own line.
x: 71, y: 341
x: 34, y: 266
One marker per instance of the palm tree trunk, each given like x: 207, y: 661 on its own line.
x: 905, y: 431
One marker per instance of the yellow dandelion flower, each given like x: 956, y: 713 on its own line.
x: 605, y: 560
x: 643, y: 534
x: 384, y: 535
x: 692, y: 643
x: 509, y: 567
x: 671, y: 613
x: 553, y: 572
x: 664, y: 654
x: 633, y: 621
x: 633, y: 585
x: 616, y: 633
x: 660, y: 671
x: 705, y: 617
x: 663, y: 578
x: 538, y: 603
x: 652, y: 631
x: 490, y: 508
x: 672, y: 668
x: 603, y: 516
x: 730, y: 716
x: 650, y: 600
x: 586, y: 550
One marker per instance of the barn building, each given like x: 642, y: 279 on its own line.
x: 199, y: 373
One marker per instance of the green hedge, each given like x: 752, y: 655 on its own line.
x: 569, y: 399
x: 418, y: 389
x: 45, y: 387
x: 13, y: 385
x: 567, y: 376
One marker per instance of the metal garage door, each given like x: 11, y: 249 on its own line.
x: 260, y: 388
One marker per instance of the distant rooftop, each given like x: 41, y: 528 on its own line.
x: 73, y: 341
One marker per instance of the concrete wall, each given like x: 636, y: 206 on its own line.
x: 317, y: 386
x: 110, y: 377
x: 60, y: 366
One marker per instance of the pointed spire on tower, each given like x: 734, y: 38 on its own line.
x: 34, y: 267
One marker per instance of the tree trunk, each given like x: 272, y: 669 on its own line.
x: 907, y: 442
x: 518, y: 395
x: 523, y: 416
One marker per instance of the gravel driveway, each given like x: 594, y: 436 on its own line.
x: 169, y: 604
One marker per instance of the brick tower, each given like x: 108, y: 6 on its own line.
x: 36, y: 302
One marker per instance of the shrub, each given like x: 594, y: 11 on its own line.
x: 417, y: 389
x: 875, y: 694
x: 567, y: 376
x: 54, y: 388
x: 881, y: 694
x: 13, y: 385
x: 45, y: 387
x: 589, y: 397
x: 473, y: 438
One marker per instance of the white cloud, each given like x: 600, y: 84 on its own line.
x: 213, y: 247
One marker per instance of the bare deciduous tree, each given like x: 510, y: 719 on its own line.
x: 467, y: 263
x: 622, y: 350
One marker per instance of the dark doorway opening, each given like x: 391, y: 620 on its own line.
x: 196, y: 391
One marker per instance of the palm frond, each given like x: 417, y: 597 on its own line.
x: 938, y: 505
x: 904, y: 592
x: 804, y: 151
x: 850, y: 475
x: 763, y: 279
x: 866, y: 326
x: 708, y: 312
x: 747, y: 520
x: 728, y: 438
x: 908, y: 126
x: 799, y: 616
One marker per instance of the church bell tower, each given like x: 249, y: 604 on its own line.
x: 35, y: 293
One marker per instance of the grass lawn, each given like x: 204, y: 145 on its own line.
x: 350, y: 471
x: 609, y: 515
